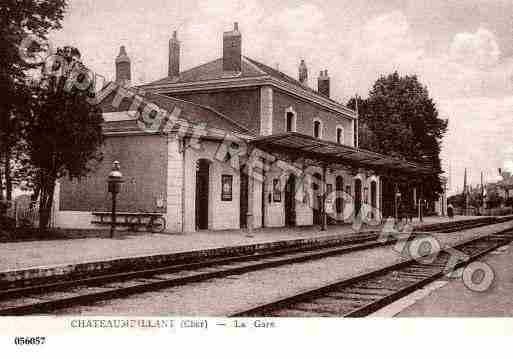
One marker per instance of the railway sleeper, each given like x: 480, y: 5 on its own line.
x: 368, y: 291
x: 296, y: 313
x: 330, y: 303
x: 377, y: 289
x: 327, y: 308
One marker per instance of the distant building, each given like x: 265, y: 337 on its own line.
x: 505, y: 188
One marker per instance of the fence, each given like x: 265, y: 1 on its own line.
x: 27, y: 214
x: 498, y: 211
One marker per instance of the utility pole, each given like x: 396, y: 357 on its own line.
x: 482, y: 193
x: 357, y: 140
x: 465, y: 194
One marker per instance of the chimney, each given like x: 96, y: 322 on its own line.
x: 303, y: 73
x: 123, y: 76
x: 323, y: 84
x: 232, y: 50
x: 174, y: 56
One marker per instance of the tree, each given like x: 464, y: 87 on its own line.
x: 64, y: 134
x: 19, y: 20
x: 493, y: 198
x: 366, y: 137
x: 400, y: 119
x: 457, y: 200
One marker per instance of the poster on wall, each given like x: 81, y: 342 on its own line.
x: 277, y: 190
x: 227, y: 187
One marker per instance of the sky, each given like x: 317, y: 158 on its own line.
x: 462, y: 50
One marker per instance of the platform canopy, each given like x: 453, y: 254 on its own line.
x: 327, y: 152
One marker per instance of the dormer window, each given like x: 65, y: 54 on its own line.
x: 290, y: 120
x: 317, y: 129
x: 340, y: 135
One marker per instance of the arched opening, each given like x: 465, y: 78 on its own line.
x: 339, y: 201
x: 340, y: 135
x: 290, y: 202
x: 290, y: 121
x: 357, y: 196
x: 290, y: 117
x: 317, y: 198
x: 374, y: 198
x: 243, y: 197
x: 317, y: 129
x: 202, y: 193
x: 388, y: 197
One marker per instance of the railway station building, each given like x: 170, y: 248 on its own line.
x: 243, y: 144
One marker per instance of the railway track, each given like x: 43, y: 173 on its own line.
x: 365, y: 294
x: 456, y: 226
x: 48, y: 297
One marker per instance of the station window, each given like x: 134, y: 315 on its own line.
x: 290, y: 119
x: 340, y: 135
x: 317, y: 129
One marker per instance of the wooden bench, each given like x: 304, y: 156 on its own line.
x: 154, y: 222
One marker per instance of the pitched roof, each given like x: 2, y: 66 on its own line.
x: 279, y: 75
x: 192, y: 113
x: 213, y: 70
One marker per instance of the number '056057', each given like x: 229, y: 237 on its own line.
x: 29, y: 340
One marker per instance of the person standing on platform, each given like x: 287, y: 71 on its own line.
x: 450, y: 211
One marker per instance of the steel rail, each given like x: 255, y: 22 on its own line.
x: 148, y: 280
x: 309, y: 296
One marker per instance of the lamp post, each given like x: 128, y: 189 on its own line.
x: 421, y: 203
x: 396, y: 200
x: 114, y: 181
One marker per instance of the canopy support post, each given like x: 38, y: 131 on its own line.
x: 324, y: 224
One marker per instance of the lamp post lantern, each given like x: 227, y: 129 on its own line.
x: 114, y: 181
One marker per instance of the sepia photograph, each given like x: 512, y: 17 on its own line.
x: 228, y: 164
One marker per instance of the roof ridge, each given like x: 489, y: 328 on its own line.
x: 292, y: 79
x: 258, y: 63
x: 250, y: 61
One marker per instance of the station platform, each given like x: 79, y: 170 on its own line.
x: 451, y: 298
x: 28, y: 260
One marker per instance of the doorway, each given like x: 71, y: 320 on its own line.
x: 317, y: 198
x: 339, y: 201
x: 243, y: 197
x: 357, y: 196
x: 388, y: 197
x: 202, y: 193
x: 374, y: 199
x: 290, y: 201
